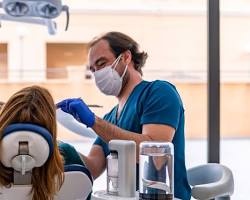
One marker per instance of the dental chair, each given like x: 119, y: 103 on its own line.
x: 26, y: 146
x: 211, y: 181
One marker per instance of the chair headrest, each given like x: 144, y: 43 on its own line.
x: 25, y: 146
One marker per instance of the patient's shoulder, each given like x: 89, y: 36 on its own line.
x: 69, y: 153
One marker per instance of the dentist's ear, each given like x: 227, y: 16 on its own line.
x: 127, y: 56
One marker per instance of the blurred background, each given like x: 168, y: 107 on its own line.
x: 174, y: 34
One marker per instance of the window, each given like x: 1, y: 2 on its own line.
x: 3, y: 61
x: 64, y: 58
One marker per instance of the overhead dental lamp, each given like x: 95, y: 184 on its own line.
x: 34, y: 11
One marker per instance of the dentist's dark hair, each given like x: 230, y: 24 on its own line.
x: 1, y: 104
x: 119, y: 43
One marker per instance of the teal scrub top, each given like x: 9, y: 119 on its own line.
x: 156, y: 102
x: 70, y: 155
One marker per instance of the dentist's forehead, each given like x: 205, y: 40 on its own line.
x: 99, y: 50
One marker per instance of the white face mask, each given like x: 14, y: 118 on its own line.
x: 108, y: 80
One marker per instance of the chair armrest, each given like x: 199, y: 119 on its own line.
x: 223, y: 187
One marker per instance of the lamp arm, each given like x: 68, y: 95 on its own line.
x: 51, y: 26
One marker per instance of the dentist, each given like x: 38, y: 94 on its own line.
x: 146, y: 111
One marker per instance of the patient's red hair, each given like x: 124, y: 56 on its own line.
x: 34, y: 105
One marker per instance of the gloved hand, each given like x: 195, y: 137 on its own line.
x: 79, y: 110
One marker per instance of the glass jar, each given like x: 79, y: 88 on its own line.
x: 156, y: 175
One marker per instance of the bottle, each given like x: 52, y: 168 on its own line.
x: 112, y: 173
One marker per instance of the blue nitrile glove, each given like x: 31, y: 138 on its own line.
x: 79, y: 110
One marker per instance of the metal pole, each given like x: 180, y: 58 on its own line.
x: 213, y: 81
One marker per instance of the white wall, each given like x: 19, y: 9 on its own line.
x: 176, y: 43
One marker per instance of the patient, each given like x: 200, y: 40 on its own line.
x: 35, y: 105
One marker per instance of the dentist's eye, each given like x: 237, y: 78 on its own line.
x: 101, y: 65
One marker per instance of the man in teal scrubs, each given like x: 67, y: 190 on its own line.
x: 146, y: 111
